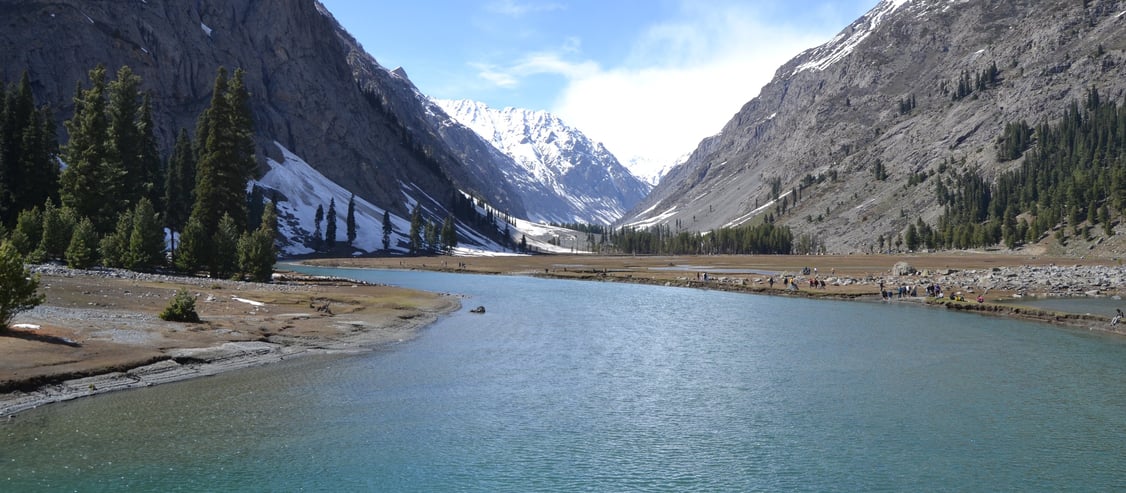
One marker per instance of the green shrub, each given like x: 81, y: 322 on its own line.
x: 181, y: 308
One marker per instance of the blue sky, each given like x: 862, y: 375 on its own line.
x: 649, y: 78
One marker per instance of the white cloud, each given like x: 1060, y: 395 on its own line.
x: 684, y: 81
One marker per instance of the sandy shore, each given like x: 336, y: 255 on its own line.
x: 98, y: 331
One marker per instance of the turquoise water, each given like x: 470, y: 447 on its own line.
x: 1092, y: 305
x: 572, y: 386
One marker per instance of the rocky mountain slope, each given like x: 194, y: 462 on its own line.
x: 561, y: 175
x: 882, y: 96
x: 315, y: 91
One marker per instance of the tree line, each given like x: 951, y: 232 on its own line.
x: 112, y: 200
x: 1073, y: 174
x: 764, y: 238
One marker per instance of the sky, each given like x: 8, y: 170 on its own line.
x: 647, y: 78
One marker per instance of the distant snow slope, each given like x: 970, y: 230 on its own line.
x: 564, y: 176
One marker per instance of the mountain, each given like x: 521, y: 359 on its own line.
x: 836, y: 144
x: 561, y: 175
x: 650, y: 170
x: 316, y: 95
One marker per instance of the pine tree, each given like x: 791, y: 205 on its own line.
x: 28, y: 231
x: 91, y: 182
x: 226, y: 156
x: 114, y: 247
x: 58, y: 226
x: 194, y: 245
x: 179, y: 180
x: 149, y: 158
x: 28, y: 168
x: 330, y: 226
x: 257, y: 253
x: 18, y: 107
x: 430, y: 231
x: 82, y: 252
x: 38, y: 164
x: 18, y: 287
x: 416, y: 230
x: 318, y: 217
x: 255, y: 205
x: 122, y: 112
x: 224, y: 259
x: 351, y: 220
x: 387, y: 229
x: 449, y: 235
x: 146, y: 240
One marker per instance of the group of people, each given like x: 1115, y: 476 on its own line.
x: 903, y: 291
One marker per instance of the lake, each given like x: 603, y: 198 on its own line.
x: 568, y: 385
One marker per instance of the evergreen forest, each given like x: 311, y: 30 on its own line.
x: 1071, y: 181
x: 107, y: 197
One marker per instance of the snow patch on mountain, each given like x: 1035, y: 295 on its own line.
x: 844, y: 43
x: 562, y: 175
x: 303, y: 188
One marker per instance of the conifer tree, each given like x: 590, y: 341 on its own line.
x: 449, y: 235
x: 194, y: 245
x: 17, y: 109
x: 28, y: 168
x: 82, y: 251
x: 151, y: 177
x: 114, y: 247
x: 226, y: 155
x: 255, y: 205
x: 257, y: 253
x: 431, y: 232
x: 330, y: 226
x: 350, y: 222
x: 28, y: 231
x: 224, y: 260
x: 318, y: 217
x: 122, y: 112
x: 416, y: 230
x: 179, y: 180
x: 146, y: 240
x: 38, y: 164
x: 58, y: 226
x: 387, y: 229
x: 91, y: 182
x: 18, y: 287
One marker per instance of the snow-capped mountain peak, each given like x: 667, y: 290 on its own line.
x: 563, y: 175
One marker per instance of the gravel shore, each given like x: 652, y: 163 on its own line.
x: 98, y: 330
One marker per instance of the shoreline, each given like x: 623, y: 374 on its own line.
x: 235, y: 334
x: 1003, y: 280
x: 239, y: 343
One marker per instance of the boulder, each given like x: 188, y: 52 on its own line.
x: 903, y: 269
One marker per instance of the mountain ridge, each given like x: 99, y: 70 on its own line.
x: 833, y: 111
x: 313, y: 89
x: 563, y: 175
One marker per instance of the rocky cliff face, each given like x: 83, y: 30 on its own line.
x: 561, y: 175
x: 834, y: 111
x: 313, y: 89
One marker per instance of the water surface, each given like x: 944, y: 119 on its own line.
x: 565, y: 386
